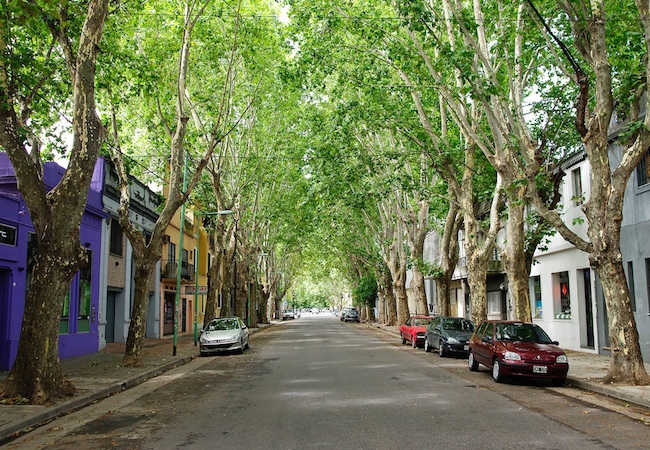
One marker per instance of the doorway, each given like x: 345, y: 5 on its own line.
x: 5, y: 283
x: 110, y: 317
x: 589, y: 312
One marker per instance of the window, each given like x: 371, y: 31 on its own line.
x: 83, y: 314
x: 535, y: 287
x: 494, y: 302
x: 562, y: 295
x: 647, y: 279
x: 630, y: 284
x: 489, y: 331
x: 643, y: 170
x: 168, y: 314
x: 481, y: 329
x: 171, y: 252
x: 116, y: 238
x: 576, y: 180
x: 64, y: 321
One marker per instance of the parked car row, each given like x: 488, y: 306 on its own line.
x: 508, y: 348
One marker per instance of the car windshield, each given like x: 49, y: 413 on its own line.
x: 421, y: 322
x: 223, y: 324
x: 457, y: 325
x: 524, y: 332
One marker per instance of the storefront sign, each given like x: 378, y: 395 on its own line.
x: 191, y: 290
x: 7, y: 235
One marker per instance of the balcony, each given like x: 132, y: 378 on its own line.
x: 495, y: 265
x: 168, y: 270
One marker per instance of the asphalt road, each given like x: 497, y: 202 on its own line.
x: 318, y: 383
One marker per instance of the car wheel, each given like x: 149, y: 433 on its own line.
x: 471, y: 362
x: 496, y: 371
x: 441, y: 349
x: 414, y: 342
x: 248, y: 345
x: 427, y: 347
x: 241, y: 347
x: 203, y: 354
x: 558, y: 381
x: 403, y: 340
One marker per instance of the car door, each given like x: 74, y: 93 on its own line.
x: 483, y: 346
x: 434, y: 336
x: 406, y: 328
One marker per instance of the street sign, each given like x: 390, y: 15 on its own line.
x: 191, y: 290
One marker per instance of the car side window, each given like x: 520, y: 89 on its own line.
x: 489, y: 331
x: 481, y: 330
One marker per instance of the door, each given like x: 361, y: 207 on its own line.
x: 184, y: 317
x: 110, y: 317
x: 589, y: 315
x: 5, y: 283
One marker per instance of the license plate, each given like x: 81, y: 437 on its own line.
x: 466, y: 348
x: 540, y: 369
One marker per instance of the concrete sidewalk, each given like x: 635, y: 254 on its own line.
x: 101, y: 374
x: 585, y: 372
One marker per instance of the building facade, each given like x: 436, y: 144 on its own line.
x: 78, y: 323
x: 117, y: 290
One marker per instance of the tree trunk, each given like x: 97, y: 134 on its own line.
x: 226, y: 293
x: 263, y: 301
x: 448, y: 260
x: 443, y: 292
x: 144, y: 267
x: 36, y: 373
x: 214, y: 288
x: 417, y: 287
x: 626, y: 362
x: 514, y: 260
x: 390, y: 301
x: 477, y: 280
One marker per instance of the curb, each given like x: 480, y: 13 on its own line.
x: 604, y: 390
x: 13, y: 430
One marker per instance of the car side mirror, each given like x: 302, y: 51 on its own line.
x: 487, y: 339
x: 437, y: 329
x: 555, y: 343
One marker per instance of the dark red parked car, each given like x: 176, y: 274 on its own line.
x: 415, y: 329
x: 517, y: 349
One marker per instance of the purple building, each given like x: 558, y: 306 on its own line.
x: 78, y: 325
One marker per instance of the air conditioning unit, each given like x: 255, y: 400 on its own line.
x: 166, y: 239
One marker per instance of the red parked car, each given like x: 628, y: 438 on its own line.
x: 415, y: 329
x: 517, y: 349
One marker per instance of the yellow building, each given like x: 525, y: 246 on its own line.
x: 192, y: 262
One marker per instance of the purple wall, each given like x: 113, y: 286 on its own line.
x: 13, y: 263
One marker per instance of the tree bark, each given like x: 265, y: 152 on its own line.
x: 516, y: 265
x: 144, y: 267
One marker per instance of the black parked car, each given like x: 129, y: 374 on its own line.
x: 352, y: 316
x: 448, y: 335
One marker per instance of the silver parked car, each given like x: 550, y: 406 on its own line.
x: 224, y: 334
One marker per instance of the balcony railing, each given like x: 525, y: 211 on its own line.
x: 168, y: 269
x: 494, y: 265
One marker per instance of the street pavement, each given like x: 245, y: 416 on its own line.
x: 100, y: 375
